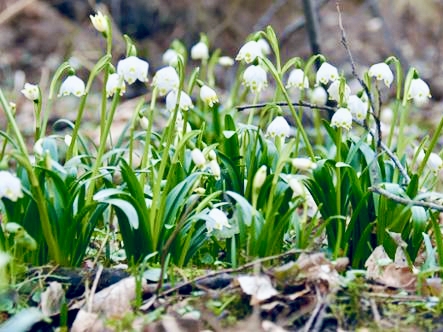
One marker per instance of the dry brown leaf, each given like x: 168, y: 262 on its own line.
x: 52, y: 299
x: 259, y: 287
x: 375, y: 263
x: 87, y: 321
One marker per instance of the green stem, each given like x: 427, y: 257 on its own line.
x: 147, y: 147
x: 338, y: 192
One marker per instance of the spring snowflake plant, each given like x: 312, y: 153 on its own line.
x: 219, y: 175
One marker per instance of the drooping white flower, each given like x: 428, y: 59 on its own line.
x: 326, y: 73
x: 200, y: 51
x: 170, y: 57
x: 264, y: 46
x: 435, y: 163
x: 342, y: 118
x: 303, y: 164
x: 381, y: 71
x: 72, y: 85
x: 419, y: 91
x: 219, y: 219
x: 249, y: 52
x: 215, y: 168
x: 334, y: 91
x: 319, y: 96
x: 31, y: 91
x: 132, y: 69
x: 198, y: 158
x: 358, y: 108
x: 165, y: 80
x: 185, y: 102
x: 259, y: 178
x: 278, y: 127
x: 99, y: 22
x: 226, y: 61
x: 255, y: 78
x: 208, y: 95
x: 298, y: 79
x: 114, y: 83
x: 10, y: 186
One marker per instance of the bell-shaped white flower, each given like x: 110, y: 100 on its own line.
x: 334, y: 92
x: 278, y: 127
x: 303, y: 164
x: 218, y: 220
x: 185, y: 103
x: 115, y: 82
x: 435, y: 163
x: 200, y: 51
x: 72, y: 85
x: 326, y: 73
x: 226, y: 61
x: 198, y: 158
x: 342, y: 118
x: 10, y: 186
x: 358, y: 108
x: 249, y: 52
x: 298, y: 79
x: 170, y: 57
x: 419, y: 91
x: 165, y: 80
x: 31, y: 91
x: 132, y: 69
x: 99, y: 22
x: 381, y: 71
x: 208, y: 95
x: 264, y: 46
x: 319, y: 96
x: 255, y: 78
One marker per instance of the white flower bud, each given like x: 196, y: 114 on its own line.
x: 31, y: 91
x: 215, y: 169
x: 259, y: 178
x: 170, y: 57
x: 303, y: 164
x: 198, y: 158
x: 99, y: 22
x: 226, y: 61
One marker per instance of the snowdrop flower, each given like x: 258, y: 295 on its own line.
x: 278, y: 127
x: 165, y: 80
x: 185, y: 102
x: 170, y: 57
x: 208, y: 95
x: 226, y: 61
x: 132, y: 69
x: 249, y: 51
x: 381, y: 71
x: 326, y: 73
x: 198, y: 158
x: 358, y: 108
x: 264, y: 46
x: 297, y: 187
x: 342, y: 118
x: 215, y: 168
x: 200, y: 51
x: 10, y: 186
x: 435, y: 163
x: 303, y: 164
x: 99, y: 22
x: 218, y: 220
x: 72, y: 85
x: 298, y: 79
x: 255, y: 78
x: 319, y: 96
x: 114, y: 83
x: 334, y: 91
x: 31, y: 91
x: 419, y: 91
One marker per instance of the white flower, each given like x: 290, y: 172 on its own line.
x: 212, y: 155
x: 115, y: 82
x: 326, y: 73
x: 170, y: 57
x: 297, y: 187
x: 255, y: 78
x: 342, y: 118
x: 144, y: 122
x: 381, y: 71
x: 10, y: 186
x: 278, y: 127
x: 72, y: 84
x: 198, y: 158
x: 264, y: 46
x: 303, y: 164
x: 249, y: 52
x: 200, y: 51
x: 419, y: 91
x: 387, y: 115
x: 132, y: 69
x: 208, y: 95
x: 358, y: 108
x: 165, y: 80
x: 319, y: 96
x: 67, y: 139
x: 4, y: 260
x: 259, y: 178
x: 99, y: 22
x: 334, y: 91
x: 226, y: 61
x: 179, y: 123
x: 298, y: 79
x: 31, y: 91
x: 215, y: 168
x: 218, y: 220
x: 185, y: 102
x: 435, y: 163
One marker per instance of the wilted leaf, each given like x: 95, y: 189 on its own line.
x: 87, y: 321
x: 259, y: 287
x: 52, y: 299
